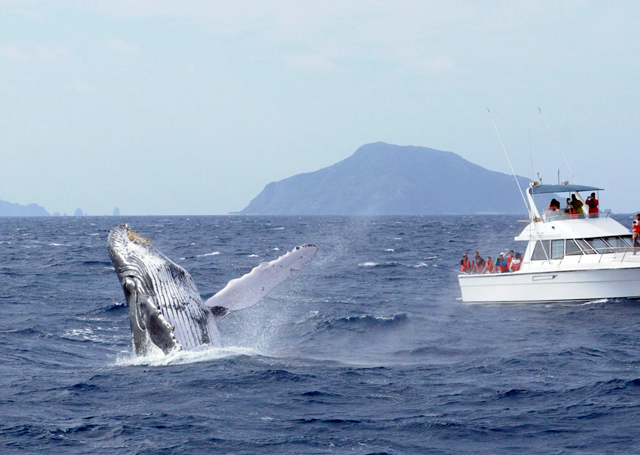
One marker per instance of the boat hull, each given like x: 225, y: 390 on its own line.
x: 551, y: 285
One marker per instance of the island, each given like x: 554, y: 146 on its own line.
x: 386, y: 179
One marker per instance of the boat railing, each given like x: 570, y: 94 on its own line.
x: 557, y: 215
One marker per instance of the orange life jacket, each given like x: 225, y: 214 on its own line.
x: 489, y: 265
x: 636, y: 225
x: 503, y: 266
x: 465, y: 265
x: 515, y: 265
x: 593, y: 205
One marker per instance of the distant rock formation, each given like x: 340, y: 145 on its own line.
x: 385, y: 179
x: 78, y: 212
x: 116, y: 212
x: 10, y: 209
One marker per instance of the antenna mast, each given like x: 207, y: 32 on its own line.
x: 512, y: 171
x: 558, y: 145
x: 530, y: 154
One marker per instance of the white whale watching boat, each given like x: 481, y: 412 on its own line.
x: 568, y: 257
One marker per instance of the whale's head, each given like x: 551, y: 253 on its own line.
x: 138, y: 265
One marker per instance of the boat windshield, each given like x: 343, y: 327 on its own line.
x: 558, y: 249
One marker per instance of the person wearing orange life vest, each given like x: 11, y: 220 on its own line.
x: 465, y: 265
x: 553, y: 205
x: 636, y: 232
x: 479, y: 264
x: 569, y: 208
x: 592, y: 203
x: 516, y: 262
x: 489, y: 267
x: 502, y: 263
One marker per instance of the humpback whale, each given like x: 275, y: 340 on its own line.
x: 165, y: 308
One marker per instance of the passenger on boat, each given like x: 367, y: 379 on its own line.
x: 636, y: 232
x: 577, y: 205
x: 592, y: 202
x: 554, y: 205
x: 509, y: 257
x: 465, y: 265
x: 489, y: 267
x: 569, y: 208
x: 502, y: 264
x: 516, y: 262
x: 479, y: 264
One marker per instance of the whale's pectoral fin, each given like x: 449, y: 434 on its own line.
x: 159, y: 330
x: 254, y: 286
x: 147, y: 323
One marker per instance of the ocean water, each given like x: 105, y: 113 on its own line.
x: 366, y: 350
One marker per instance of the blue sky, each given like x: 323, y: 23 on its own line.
x: 164, y: 107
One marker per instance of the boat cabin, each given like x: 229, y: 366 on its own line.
x: 557, y: 235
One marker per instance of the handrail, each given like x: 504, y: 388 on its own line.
x: 556, y: 215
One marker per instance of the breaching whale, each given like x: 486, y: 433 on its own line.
x: 165, y: 308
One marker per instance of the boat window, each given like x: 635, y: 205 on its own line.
x: 600, y: 246
x: 585, y: 246
x: 616, y: 242
x: 626, y: 240
x: 541, y: 251
x: 557, y: 249
x: 573, y: 248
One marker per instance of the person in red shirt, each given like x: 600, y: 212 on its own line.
x: 636, y: 232
x: 592, y: 203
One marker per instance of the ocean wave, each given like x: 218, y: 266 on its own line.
x: 115, y: 306
x: 367, y: 321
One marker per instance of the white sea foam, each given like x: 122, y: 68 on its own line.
x: 593, y: 302
x: 421, y: 264
x: 203, y: 353
x: 99, y: 335
x: 368, y: 264
x: 213, y: 253
x: 253, y: 256
x: 279, y: 229
x: 389, y: 250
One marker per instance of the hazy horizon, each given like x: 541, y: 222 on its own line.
x: 191, y: 109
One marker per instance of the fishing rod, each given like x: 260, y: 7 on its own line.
x: 526, y: 204
x: 558, y: 145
